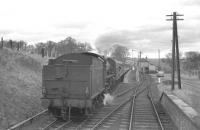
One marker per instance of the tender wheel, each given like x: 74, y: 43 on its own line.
x: 87, y: 111
x: 54, y: 111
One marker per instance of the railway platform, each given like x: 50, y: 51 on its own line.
x: 180, y: 104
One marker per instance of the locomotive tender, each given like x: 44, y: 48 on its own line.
x: 77, y: 80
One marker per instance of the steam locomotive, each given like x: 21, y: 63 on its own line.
x: 78, y: 80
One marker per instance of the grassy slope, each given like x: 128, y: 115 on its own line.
x: 20, y: 86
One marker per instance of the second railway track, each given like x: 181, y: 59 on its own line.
x: 149, y: 115
x: 115, y: 117
x: 144, y: 117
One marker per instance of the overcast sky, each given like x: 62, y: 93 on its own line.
x: 136, y: 24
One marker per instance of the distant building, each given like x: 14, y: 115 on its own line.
x: 153, y: 68
x: 144, y: 65
x: 130, y: 61
x: 147, y: 67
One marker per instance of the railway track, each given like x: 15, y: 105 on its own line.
x: 113, y: 116
x: 134, y: 109
x: 190, y: 83
x: 45, y: 121
x: 193, y: 85
x: 37, y: 120
x: 144, y: 114
x: 148, y: 115
x: 163, y: 119
x: 56, y: 125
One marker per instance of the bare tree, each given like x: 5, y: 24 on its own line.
x: 120, y: 53
x: 50, y: 46
x: 192, y: 60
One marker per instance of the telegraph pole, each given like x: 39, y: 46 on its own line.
x: 138, y: 67
x: 159, y: 59
x: 175, y: 49
x: 137, y: 70
x: 132, y: 57
x: 140, y: 58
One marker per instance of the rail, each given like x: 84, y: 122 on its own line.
x: 132, y: 98
x: 29, y: 120
x: 49, y: 125
x: 154, y: 108
x: 132, y: 106
x: 132, y: 111
x: 124, y: 92
x: 63, y: 125
x: 97, y: 124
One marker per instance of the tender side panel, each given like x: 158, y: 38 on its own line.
x: 77, y: 89
x: 97, y: 77
x: 68, y: 81
x: 79, y: 81
x: 54, y: 72
x: 55, y: 88
x: 78, y: 73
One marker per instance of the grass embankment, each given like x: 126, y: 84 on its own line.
x: 20, y: 86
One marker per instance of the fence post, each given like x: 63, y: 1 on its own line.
x: 2, y: 42
x: 11, y: 44
x: 42, y: 51
x: 18, y: 45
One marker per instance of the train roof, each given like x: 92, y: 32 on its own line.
x: 77, y: 57
x: 94, y: 55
